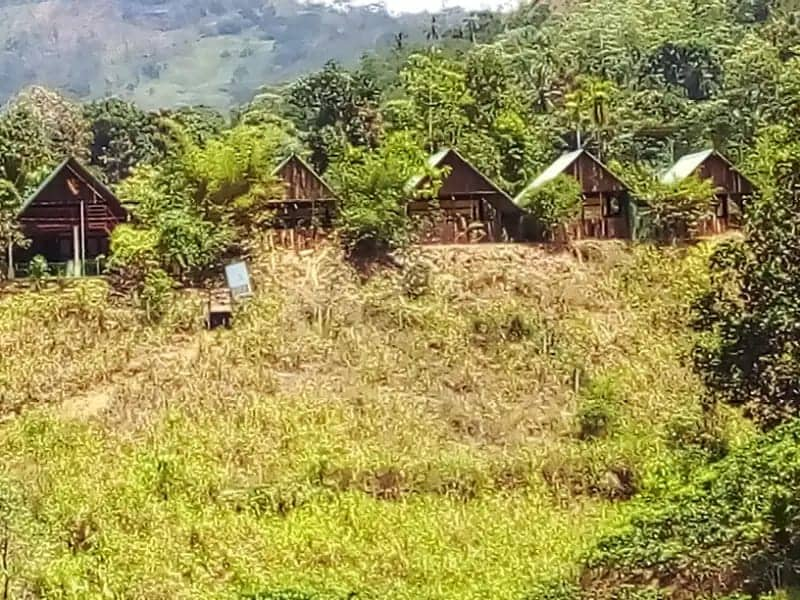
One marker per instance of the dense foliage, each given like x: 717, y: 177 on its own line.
x: 748, y: 355
x: 735, y: 527
x: 556, y: 203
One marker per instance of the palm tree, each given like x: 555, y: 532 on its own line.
x: 589, y: 104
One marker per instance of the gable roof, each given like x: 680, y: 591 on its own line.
x: 433, y: 162
x: 687, y: 166
x: 82, y: 173
x: 559, y: 166
x: 502, y: 201
x: 299, y: 159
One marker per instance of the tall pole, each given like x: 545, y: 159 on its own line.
x: 83, y: 239
x: 76, y: 250
x: 11, y: 273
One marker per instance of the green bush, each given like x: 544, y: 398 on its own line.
x: 735, y: 527
x: 599, y: 409
x: 38, y: 269
x: 374, y: 189
x: 156, y: 294
x: 552, y: 205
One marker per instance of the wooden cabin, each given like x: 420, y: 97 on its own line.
x: 606, y: 212
x: 68, y: 220
x: 306, y: 209
x: 468, y: 208
x: 733, y: 188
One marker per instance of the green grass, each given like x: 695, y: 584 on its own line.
x: 344, y: 437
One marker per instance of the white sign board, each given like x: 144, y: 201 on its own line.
x: 238, y: 280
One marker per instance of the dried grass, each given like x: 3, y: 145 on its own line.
x: 345, y: 435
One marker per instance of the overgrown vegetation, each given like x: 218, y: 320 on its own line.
x: 281, y: 455
x: 552, y: 206
x: 498, y: 422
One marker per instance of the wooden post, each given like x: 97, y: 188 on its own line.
x: 82, y: 269
x: 76, y: 250
x: 603, y: 217
x: 11, y: 273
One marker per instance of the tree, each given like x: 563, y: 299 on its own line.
x: 201, y: 199
x: 692, y: 67
x: 24, y: 147
x: 202, y: 123
x: 10, y: 233
x: 123, y: 137
x: 335, y: 108
x: 232, y: 174
x: 588, y: 107
x: 552, y: 205
x: 374, y: 188
x: 748, y: 351
x: 66, y: 129
x: 438, y: 88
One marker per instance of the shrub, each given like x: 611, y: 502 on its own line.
x: 156, y: 294
x: 505, y: 326
x: 38, y: 269
x: 670, y: 211
x: 598, y: 472
x: 134, y: 252
x: 677, y: 210
x: 553, y: 205
x: 599, y: 408
x: 374, y: 190
x: 416, y: 278
x: 697, y: 434
x: 747, y: 350
x: 736, y: 527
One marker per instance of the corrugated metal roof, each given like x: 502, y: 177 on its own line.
x: 561, y: 164
x: 433, y: 162
x: 501, y: 201
x: 686, y: 167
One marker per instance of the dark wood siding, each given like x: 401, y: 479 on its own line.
x: 606, y: 207
x: 301, y: 183
x: 49, y: 219
x: 306, y: 209
x: 466, y: 209
x: 594, y: 177
x: 726, y: 178
x: 733, y: 192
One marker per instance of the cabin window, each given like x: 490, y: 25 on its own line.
x: 613, y: 207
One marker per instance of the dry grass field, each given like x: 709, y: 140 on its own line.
x: 463, y: 428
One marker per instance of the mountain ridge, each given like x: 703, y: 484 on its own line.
x: 163, y: 53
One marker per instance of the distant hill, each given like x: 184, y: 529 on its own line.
x: 168, y: 52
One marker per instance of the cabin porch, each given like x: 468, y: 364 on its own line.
x: 59, y: 250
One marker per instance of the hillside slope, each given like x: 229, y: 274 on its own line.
x: 167, y: 52
x: 465, y: 429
